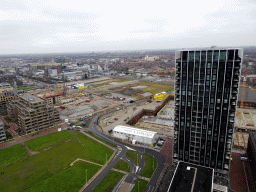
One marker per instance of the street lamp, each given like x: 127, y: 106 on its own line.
x: 137, y: 159
x: 86, y: 175
x: 106, y: 158
x: 138, y: 186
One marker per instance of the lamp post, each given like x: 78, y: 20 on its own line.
x: 106, y: 158
x: 138, y: 186
x: 137, y: 159
x: 86, y: 175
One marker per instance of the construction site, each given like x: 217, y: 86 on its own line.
x: 154, y: 109
x: 90, y: 97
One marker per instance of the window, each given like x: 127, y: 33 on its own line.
x: 183, y: 92
x: 225, y: 101
x: 213, y: 83
x: 218, y: 100
x: 207, y: 77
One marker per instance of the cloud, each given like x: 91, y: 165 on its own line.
x: 57, y: 26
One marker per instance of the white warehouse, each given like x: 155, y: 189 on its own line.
x: 134, y: 134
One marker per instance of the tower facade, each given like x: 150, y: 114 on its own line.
x: 206, y: 92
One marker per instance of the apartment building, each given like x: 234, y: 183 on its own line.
x: 206, y: 93
x: 33, y: 113
x: 2, y: 132
x: 6, y: 94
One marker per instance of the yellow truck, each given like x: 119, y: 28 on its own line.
x: 160, y: 95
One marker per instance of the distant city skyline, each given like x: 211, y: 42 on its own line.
x: 78, y: 26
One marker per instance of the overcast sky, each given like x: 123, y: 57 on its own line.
x: 46, y: 26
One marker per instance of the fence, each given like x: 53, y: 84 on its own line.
x: 147, y: 112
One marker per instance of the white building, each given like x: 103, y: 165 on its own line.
x: 134, y: 134
x: 52, y: 72
x: 153, y: 58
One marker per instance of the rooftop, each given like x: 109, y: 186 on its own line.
x: 190, y: 177
x: 208, y: 49
x: 31, y: 98
x: 134, y: 131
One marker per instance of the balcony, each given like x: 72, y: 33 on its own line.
x: 235, y: 85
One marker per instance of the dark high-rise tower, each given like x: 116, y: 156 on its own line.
x: 206, y: 93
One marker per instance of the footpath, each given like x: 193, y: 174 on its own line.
x: 104, y: 166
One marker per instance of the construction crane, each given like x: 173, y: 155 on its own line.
x: 63, y: 76
x: 243, y: 90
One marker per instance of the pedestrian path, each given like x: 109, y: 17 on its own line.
x: 166, y: 151
x: 126, y: 187
x: 237, y: 174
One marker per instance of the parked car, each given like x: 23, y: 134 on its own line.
x: 162, y: 139
x: 160, y: 143
x: 110, y: 130
x: 81, y: 119
x: 126, y: 118
x: 115, y: 118
x: 68, y: 128
x: 70, y: 124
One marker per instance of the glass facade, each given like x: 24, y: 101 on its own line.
x: 206, y: 92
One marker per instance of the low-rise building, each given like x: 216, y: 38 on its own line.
x: 135, y: 135
x: 6, y: 94
x: 33, y: 113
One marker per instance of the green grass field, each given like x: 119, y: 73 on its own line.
x: 153, y: 87
x: 149, y: 169
x: 28, y: 88
x: 120, y: 80
x: 48, y: 140
x: 139, y: 187
x: 133, y: 155
x: 122, y: 165
x: 100, y: 139
x: 109, y: 182
x: 34, y: 169
x: 70, y: 179
x: 99, y: 85
x: 10, y: 154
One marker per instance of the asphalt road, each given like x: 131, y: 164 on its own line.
x: 122, y: 148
